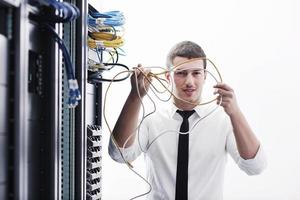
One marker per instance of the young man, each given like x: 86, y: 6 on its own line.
x: 187, y: 166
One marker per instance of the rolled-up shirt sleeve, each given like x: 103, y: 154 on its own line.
x: 251, y: 166
x: 129, y: 153
x: 132, y: 152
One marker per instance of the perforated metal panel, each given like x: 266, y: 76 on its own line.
x: 94, y: 163
x: 67, y: 126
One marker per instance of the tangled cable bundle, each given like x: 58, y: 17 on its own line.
x: 105, y: 39
x: 151, y: 76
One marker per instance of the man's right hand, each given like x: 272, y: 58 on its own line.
x: 140, y: 82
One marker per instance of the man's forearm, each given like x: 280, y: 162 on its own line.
x: 246, y: 141
x: 127, y: 121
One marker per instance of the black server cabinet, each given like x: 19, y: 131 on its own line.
x: 4, y: 102
x: 44, y: 145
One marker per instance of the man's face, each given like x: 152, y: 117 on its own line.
x: 188, y: 80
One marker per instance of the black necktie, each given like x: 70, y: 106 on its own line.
x: 183, y: 158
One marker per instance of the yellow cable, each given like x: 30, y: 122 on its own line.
x: 103, y: 36
x: 106, y: 121
x: 147, y: 76
x: 116, y: 43
x: 184, y: 62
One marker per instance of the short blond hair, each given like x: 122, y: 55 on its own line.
x: 186, y: 49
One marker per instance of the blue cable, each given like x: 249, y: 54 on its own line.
x: 57, y: 12
x: 74, y: 93
x: 113, y: 21
x: 110, y: 18
x: 52, y: 11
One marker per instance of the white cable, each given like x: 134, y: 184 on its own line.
x: 164, y: 132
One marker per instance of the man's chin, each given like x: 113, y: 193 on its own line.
x: 190, y: 100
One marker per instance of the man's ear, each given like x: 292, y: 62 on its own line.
x: 168, y: 76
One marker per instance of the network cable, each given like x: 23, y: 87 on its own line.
x: 52, y: 11
x: 74, y: 93
x: 55, y: 11
x: 149, y: 76
x: 111, y: 18
x: 105, y: 36
x: 113, y: 58
x: 155, y: 75
x: 98, y: 43
x: 96, y: 77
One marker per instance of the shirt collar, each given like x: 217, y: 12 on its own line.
x: 200, y: 111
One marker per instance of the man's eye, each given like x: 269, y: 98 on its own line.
x: 181, y: 73
x: 197, y: 72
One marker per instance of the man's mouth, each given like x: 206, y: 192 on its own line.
x: 189, y: 92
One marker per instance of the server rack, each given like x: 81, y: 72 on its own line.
x: 44, y: 144
x: 13, y: 160
x: 5, y: 22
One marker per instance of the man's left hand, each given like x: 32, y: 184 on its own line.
x: 227, y: 98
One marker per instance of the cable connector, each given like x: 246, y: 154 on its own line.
x: 94, y: 66
x: 74, y: 93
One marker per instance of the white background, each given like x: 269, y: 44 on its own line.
x: 256, y: 45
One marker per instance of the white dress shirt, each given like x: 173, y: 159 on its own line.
x: 209, y: 142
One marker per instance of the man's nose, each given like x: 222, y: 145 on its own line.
x: 189, y: 79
